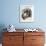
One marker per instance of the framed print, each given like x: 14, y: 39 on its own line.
x: 26, y: 13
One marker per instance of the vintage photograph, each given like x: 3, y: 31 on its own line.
x: 26, y: 13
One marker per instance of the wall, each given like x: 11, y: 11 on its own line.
x: 10, y: 13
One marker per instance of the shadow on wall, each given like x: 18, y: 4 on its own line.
x: 2, y: 26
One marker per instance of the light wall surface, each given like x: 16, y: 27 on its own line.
x: 9, y: 13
